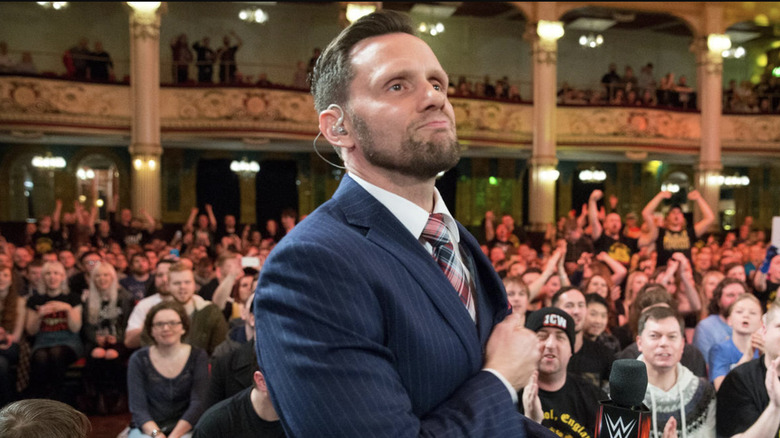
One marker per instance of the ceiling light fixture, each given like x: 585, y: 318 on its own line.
x: 432, y: 29
x: 591, y: 41
x: 253, y: 15
x: 54, y: 5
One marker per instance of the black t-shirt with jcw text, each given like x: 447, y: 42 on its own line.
x: 570, y: 411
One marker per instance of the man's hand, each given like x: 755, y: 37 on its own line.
x: 694, y: 195
x: 670, y: 430
x: 772, y: 384
x: 757, y: 342
x: 596, y: 195
x: 512, y: 351
x: 532, y: 405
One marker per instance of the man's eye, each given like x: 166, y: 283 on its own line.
x: 437, y: 87
x: 396, y: 87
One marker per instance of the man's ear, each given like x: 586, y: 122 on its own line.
x: 332, y: 130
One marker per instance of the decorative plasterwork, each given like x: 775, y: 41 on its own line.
x: 58, y: 107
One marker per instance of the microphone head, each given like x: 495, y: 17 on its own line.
x: 628, y: 382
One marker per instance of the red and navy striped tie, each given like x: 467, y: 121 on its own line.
x: 443, y: 252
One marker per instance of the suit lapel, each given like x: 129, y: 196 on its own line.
x: 491, y: 299
x: 382, y: 228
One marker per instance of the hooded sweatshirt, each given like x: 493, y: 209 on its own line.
x: 691, y: 401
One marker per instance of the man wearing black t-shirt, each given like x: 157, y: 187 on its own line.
x: 749, y: 398
x: 675, y: 235
x: 767, y: 278
x: 590, y: 360
x: 607, y: 237
x: 247, y: 414
x: 558, y: 399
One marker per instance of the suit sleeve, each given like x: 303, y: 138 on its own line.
x: 321, y: 342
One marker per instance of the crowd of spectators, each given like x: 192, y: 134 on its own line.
x: 749, y: 98
x: 80, y: 299
x: 118, y: 301
x: 700, y: 310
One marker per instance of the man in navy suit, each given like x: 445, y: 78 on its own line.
x: 361, y: 330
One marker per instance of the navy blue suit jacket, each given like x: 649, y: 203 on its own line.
x: 360, y: 334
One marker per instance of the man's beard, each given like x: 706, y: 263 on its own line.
x: 418, y: 159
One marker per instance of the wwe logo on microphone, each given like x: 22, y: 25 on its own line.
x: 617, y: 429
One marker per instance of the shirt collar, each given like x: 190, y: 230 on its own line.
x: 410, y: 214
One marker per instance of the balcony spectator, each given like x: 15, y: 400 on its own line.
x: 683, y: 92
x: 646, y: 81
x: 618, y: 98
x: 666, y: 90
x: 315, y: 54
x: 6, y: 63
x: 205, y: 60
x: 632, y: 99
x: 629, y: 81
x: 649, y: 98
x: 182, y: 57
x: 514, y: 94
x: 227, y: 58
x: 301, y: 76
x: 76, y: 59
x: 490, y: 90
x: 101, y: 67
x: 611, y: 80
x: 26, y: 65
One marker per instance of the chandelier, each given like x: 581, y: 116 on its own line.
x: 253, y: 15
x: 592, y: 41
x: 431, y: 29
x: 244, y: 168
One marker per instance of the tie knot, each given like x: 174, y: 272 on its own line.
x: 435, y: 232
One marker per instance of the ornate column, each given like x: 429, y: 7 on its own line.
x: 710, y: 80
x: 145, y: 147
x: 543, y: 162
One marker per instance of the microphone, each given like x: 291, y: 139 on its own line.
x: 624, y: 415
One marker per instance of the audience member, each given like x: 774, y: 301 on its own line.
x: 181, y: 57
x: 715, y: 329
x: 589, y: 360
x: 104, y: 321
x: 54, y: 318
x: 6, y: 62
x: 167, y: 381
x: 745, y: 344
x: 26, y: 66
x: 140, y: 279
x: 134, y: 331
x: 248, y: 414
x: 675, y: 235
x: 12, y: 315
x: 101, y: 67
x: 205, y: 60
x: 77, y: 59
x: 555, y: 397
x: 749, y: 397
x: 41, y: 418
x: 226, y: 55
x: 208, y: 328
x: 767, y: 278
x: 673, y: 391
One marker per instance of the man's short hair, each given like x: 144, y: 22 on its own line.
x: 41, y: 418
x: 596, y: 298
x: 333, y: 71
x: 561, y: 291
x: 179, y: 267
x: 657, y: 314
x: 136, y: 255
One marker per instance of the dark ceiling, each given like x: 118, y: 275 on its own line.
x: 624, y: 20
